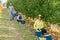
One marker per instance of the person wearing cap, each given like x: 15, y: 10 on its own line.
x: 38, y: 25
x: 11, y: 11
x: 19, y: 17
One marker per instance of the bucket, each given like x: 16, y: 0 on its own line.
x: 38, y: 34
x: 22, y: 21
x: 48, y: 37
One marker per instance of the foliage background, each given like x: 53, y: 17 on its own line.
x: 49, y: 9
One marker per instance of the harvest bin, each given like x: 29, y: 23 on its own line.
x: 38, y: 34
x: 22, y: 21
x: 48, y: 37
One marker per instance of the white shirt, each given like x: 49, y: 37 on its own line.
x: 11, y: 8
x: 18, y: 17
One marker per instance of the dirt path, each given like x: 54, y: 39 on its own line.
x: 8, y: 30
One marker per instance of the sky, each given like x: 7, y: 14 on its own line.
x: 3, y: 1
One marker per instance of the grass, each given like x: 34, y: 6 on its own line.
x: 25, y: 33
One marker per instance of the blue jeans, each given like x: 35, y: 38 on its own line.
x: 11, y: 15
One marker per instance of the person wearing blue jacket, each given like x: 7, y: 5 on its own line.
x: 11, y: 11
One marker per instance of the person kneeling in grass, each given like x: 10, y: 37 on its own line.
x: 19, y: 18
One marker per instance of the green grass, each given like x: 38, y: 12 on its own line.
x: 25, y: 33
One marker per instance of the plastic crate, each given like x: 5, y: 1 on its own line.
x: 38, y: 34
x: 48, y: 37
x: 22, y: 21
